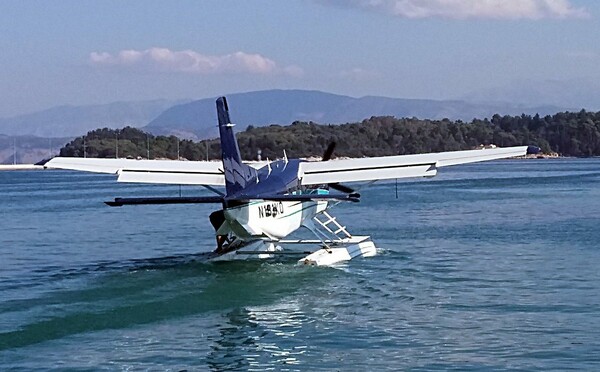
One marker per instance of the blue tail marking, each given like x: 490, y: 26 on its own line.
x: 237, y: 174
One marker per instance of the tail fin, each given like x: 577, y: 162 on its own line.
x: 237, y: 174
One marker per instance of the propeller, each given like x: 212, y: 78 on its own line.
x: 336, y: 186
x: 329, y: 151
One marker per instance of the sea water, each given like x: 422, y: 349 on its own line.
x: 490, y: 266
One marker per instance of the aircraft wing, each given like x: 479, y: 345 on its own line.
x: 148, y: 171
x: 401, y: 166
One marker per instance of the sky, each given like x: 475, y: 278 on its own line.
x: 91, y: 52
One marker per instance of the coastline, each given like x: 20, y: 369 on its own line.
x: 552, y: 155
x: 17, y: 167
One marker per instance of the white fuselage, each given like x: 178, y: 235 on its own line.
x: 274, y: 220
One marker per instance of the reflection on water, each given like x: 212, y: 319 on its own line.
x: 259, y: 337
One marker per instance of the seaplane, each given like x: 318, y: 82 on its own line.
x: 264, y: 202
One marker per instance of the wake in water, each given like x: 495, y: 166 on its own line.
x: 115, y: 295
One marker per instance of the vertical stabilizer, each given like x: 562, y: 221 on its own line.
x: 237, y: 174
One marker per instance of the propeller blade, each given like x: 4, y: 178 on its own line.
x: 329, y: 151
x: 336, y: 186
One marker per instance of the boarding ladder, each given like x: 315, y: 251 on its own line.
x: 331, y: 231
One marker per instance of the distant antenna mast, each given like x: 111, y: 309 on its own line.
x: 147, y: 146
x: 14, y: 151
x: 84, y: 148
x: 177, y: 139
x: 116, y: 145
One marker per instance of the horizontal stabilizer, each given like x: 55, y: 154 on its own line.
x: 118, y: 202
x: 308, y: 197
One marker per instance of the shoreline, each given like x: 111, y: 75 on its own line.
x: 541, y: 156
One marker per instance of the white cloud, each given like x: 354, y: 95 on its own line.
x: 189, y: 61
x: 467, y: 9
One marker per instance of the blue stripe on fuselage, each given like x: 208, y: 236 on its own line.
x: 282, y: 179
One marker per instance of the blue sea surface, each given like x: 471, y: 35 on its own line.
x: 490, y: 266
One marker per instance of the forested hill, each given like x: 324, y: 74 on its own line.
x: 567, y: 133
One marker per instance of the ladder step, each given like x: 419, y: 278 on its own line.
x: 329, y: 219
x: 342, y: 228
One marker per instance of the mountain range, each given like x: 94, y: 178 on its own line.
x: 28, y: 149
x: 196, y: 119
x: 72, y: 121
